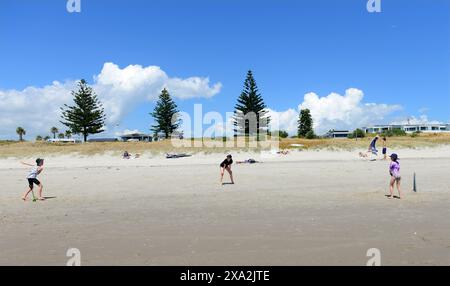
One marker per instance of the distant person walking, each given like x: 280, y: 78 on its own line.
x: 394, y: 171
x: 226, y: 165
x: 32, y: 178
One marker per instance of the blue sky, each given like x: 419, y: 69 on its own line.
x: 398, y: 58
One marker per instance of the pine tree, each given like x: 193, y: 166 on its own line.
x: 87, y: 116
x: 165, y: 115
x: 305, y: 123
x: 250, y: 101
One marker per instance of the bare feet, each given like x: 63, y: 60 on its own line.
x: 24, y: 199
x: 389, y: 196
x: 41, y: 199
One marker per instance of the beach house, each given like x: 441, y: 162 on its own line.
x: 410, y: 128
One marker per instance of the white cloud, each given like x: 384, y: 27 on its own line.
x: 336, y: 111
x: 422, y: 119
x: 127, y: 132
x: 37, y: 109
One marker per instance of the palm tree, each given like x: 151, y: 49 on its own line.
x: 68, y: 134
x: 20, y: 131
x: 54, y: 130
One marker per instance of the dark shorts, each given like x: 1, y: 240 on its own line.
x: 33, y: 181
x: 384, y: 151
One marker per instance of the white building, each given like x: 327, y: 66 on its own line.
x: 409, y: 128
x: 337, y: 134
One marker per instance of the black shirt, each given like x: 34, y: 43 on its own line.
x: 226, y: 163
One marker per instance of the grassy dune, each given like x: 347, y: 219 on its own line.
x: 26, y: 149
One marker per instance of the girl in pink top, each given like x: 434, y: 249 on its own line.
x: 394, y: 171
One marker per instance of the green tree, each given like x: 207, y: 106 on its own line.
x: 61, y: 135
x: 250, y: 102
x: 310, y: 135
x: 280, y: 133
x: 305, y: 123
x: 165, y: 115
x: 39, y: 138
x: 46, y: 138
x: 357, y: 133
x: 68, y: 134
x: 394, y: 132
x: 87, y: 115
x: 55, y: 131
x: 21, y: 132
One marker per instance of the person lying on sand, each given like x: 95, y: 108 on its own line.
x: 394, y: 171
x: 126, y: 155
x: 248, y: 161
x: 175, y: 156
x: 226, y: 165
x: 283, y: 152
x: 32, y: 178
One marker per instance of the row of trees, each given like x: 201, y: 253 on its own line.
x: 86, y: 116
x: 67, y: 134
x: 250, y: 101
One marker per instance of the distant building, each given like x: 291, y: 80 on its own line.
x: 337, y: 134
x: 136, y: 137
x: 409, y: 128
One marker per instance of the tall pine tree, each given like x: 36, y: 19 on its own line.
x: 165, y: 115
x: 250, y: 100
x: 305, y: 123
x: 87, y: 116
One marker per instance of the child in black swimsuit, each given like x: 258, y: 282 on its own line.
x: 226, y: 165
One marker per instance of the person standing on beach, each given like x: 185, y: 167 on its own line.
x: 32, y: 178
x: 394, y: 171
x: 226, y: 165
x: 384, y: 149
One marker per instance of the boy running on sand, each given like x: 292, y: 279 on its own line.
x: 226, y: 165
x: 32, y: 178
x: 394, y: 171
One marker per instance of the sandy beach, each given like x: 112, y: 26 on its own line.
x: 305, y: 208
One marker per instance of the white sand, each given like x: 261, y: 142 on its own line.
x: 306, y: 208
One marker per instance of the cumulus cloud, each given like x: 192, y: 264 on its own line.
x: 120, y: 90
x: 422, y: 119
x: 336, y: 111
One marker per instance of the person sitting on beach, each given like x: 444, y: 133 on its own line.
x: 226, y: 165
x: 394, y: 171
x: 32, y: 178
x: 248, y: 161
x: 126, y: 155
x: 384, y: 149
